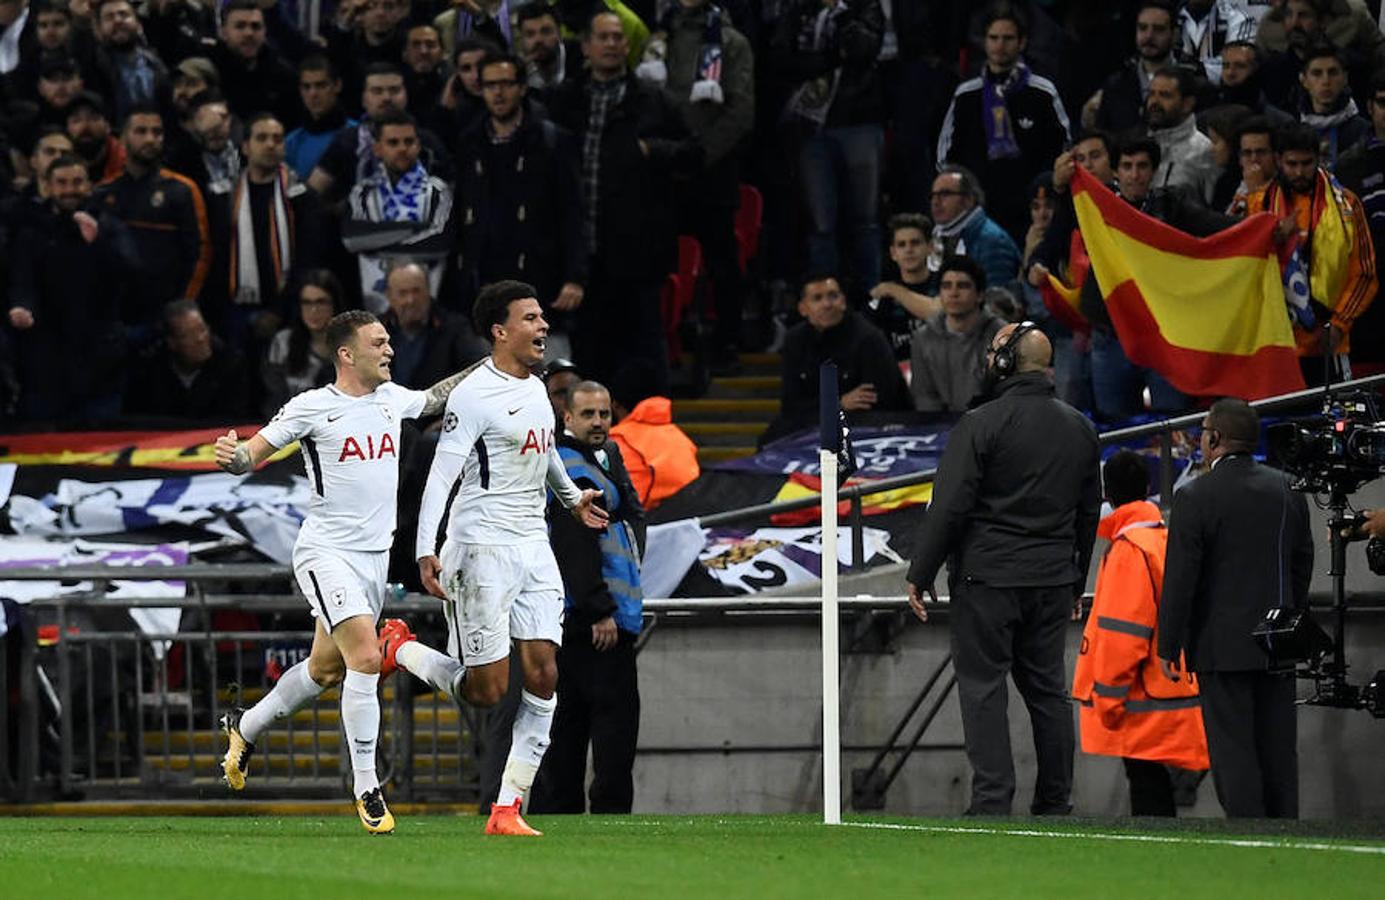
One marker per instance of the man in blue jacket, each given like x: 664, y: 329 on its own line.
x: 599, y: 703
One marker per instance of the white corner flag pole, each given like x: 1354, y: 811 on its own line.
x: 831, y: 685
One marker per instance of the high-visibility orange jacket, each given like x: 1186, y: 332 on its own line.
x: 1128, y: 707
x: 660, y: 457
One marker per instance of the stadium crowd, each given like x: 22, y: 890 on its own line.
x: 189, y: 190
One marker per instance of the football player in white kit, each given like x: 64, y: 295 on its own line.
x: 348, y: 433
x: 496, y: 572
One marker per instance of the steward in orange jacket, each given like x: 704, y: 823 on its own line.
x: 1128, y: 707
x: 660, y: 457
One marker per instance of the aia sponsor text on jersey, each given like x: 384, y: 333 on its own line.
x: 539, y: 440
x: 352, y: 448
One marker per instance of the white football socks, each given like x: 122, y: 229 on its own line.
x: 360, y: 717
x: 528, y: 742
x: 295, y: 690
x: 438, y: 669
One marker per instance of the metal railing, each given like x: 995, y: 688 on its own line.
x: 1162, y: 428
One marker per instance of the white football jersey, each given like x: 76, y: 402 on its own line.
x: 350, y: 449
x: 498, y: 443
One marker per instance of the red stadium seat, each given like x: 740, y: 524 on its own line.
x: 749, y: 219
x: 680, y: 291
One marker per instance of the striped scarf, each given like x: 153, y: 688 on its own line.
x: 246, y: 289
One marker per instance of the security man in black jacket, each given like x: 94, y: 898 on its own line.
x: 1014, y: 512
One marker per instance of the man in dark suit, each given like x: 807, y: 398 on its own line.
x: 1239, y: 544
x: 1014, y: 511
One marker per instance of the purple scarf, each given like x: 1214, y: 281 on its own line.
x: 466, y: 23
x: 995, y: 113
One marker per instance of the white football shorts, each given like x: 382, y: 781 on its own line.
x: 340, y: 584
x: 499, y: 593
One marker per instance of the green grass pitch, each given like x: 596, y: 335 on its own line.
x: 667, y: 856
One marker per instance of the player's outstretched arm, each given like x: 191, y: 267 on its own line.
x: 237, y: 456
x: 437, y: 394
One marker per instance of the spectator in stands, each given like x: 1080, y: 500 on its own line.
x: 299, y: 358
x: 461, y: 104
x: 59, y: 83
x: 178, y: 29
x: 1005, y: 124
x: 1117, y: 384
x: 827, y: 54
x: 426, y: 340
x: 1127, y: 707
x: 1287, y: 32
x: 351, y: 154
x: 1256, y: 158
x: 488, y: 20
x: 90, y: 131
x: 167, y: 221
x: 961, y: 227
x: 319, y: 87
x: 50, y: 143
x: 549, y: 59
x: 1041, y: 209
x: 1335, y: 239
x: 253, y: 77
x: 193, y: 76
x: 274, y: 229
x: 69, y: 277
x: 1095, y: 152
x: 867, y: 377
x: 214, y: 161
x: 1014, y: 513
x: 1326, y: 105
x: 948, y: 352
x: 575, y: 15
x: 1223, y: 126
x: 1362, y: 170
x: 1240, y: 543
x: 400, y: 210
x: 898, y: 307
x: 1206, y: 26
x: 603, y: 608
x: 1120, y: 104
x: 634, y: 145
x: 710, y: 73
x: 558, y: 376
x: 517, y: 176
x: 194, y: 377
x: 132, y: 73
x: 1186, y: 153
x: 1241, y: 81
x: 659, y: 456
x: 425, y: 71
x: 53, y: 31
x: 19, y: 62
x: 374, y: 35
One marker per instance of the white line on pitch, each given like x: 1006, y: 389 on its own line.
x: 1136, y: 838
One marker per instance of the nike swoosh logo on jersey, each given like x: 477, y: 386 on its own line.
x: 515, y: 410
x: 334, y: 418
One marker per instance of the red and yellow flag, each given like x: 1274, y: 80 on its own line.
x: 1064, y: 299
x: 1206, y: 313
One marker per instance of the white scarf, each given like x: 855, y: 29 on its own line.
x: 245, y: 268
x: 9, y: 43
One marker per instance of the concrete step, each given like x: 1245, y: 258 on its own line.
x: 709, y: 455
x: 747, y: 386
x: 699, y: 431
x: 724, y: 410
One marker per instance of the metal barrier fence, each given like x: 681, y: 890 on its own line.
x: 1163, y: 429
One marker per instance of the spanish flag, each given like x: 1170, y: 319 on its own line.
x: 1206, y: 313
x: 1063, y: 298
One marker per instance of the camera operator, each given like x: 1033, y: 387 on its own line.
x: 1239, y: 543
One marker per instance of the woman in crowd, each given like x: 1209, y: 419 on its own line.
x: 298, y: 358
